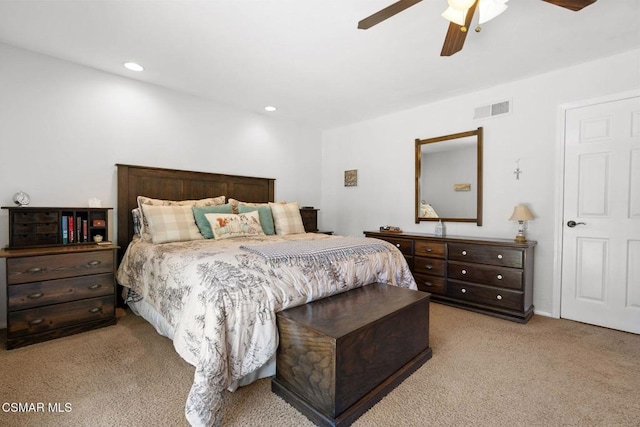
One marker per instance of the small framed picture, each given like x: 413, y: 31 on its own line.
x: 351, y: 178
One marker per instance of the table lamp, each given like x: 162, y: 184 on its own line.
x: 522, y: 214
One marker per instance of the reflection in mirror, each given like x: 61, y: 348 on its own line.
x: 449, y: 178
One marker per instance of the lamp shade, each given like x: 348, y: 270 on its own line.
x: 521, y: 213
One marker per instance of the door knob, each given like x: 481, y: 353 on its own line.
x: 572, y: 223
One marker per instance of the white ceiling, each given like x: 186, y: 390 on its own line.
x: 307, y: 57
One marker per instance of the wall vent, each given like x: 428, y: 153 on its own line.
x: 492, y: 110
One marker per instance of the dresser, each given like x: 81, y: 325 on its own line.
x: 54, y: 292
x: 59, y: 281
x: 490, y: 276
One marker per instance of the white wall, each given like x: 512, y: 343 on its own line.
x: 382, y: 150
x: 63, y: 127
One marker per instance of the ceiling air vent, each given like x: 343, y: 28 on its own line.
x: 492, y: 110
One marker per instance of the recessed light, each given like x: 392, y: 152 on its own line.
x: 270, y: 108
x: 133, y: 66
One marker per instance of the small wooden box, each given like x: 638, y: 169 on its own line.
x: 340, y: 355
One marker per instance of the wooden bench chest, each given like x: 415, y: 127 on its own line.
x: 340, y: 355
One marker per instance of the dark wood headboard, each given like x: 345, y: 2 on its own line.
x: 172, y: 184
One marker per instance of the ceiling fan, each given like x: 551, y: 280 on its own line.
x: 460, y: 13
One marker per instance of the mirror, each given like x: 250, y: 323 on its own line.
x: 449, y: 178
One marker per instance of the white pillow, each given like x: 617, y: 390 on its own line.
x: 287, y: 219
x: 226, y: 226
x: 171, y: 223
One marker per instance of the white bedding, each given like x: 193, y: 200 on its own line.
x: 218, y: 302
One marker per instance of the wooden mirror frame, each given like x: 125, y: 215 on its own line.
x: 418, y: 152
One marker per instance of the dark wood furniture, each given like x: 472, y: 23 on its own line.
x: 31, y: 227
x: 340, y: 355
x: 490, y: 276
x: 309, y: 219
x: 58, y: 291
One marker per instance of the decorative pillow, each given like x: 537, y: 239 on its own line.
x: 201, y: 220
x: 137, y: 220
x: 235, y: 203
x: 264, y: 212
x: 287, y: 219
x: 226, y: 226
x: 142, y: 200
x: 170, y: 223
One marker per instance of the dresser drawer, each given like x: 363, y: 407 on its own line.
x: 432, y: 284
x: 25, y: 322
x: 48, y: 267
x: 430, y: 249
x: 485, y: 254
x: 503, y: 277
x: 432, y: 266
x: 34, y: 239
x: 37, y: 294
x: 405, y: 245
x: 502, y: 298
x: 33, y: 217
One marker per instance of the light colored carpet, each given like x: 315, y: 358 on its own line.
x: 484, y: 372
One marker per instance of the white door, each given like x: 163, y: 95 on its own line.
x: 601, y: 230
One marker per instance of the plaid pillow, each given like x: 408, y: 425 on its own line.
x: 142, y: 200
x: 286, y: 218
x: 171, y: 223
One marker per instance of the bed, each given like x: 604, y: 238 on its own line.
x: 216, y: 298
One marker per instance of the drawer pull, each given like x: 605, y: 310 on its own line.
x: 499, y: 256
x: 429, y: 284
x: 95, y: 310
x: 428, y: 249
x: 463, y: 290
x: 94, y: 263
x: 464, y: 252
x: 35, y: 270
x: 499, y: 276
x: 35, y: 295
x: 499, y: 297
x: 429, y: 267
x: 95, y: 286
x: 36, y: 321
x: 397, y: 245
x: 464, y: 271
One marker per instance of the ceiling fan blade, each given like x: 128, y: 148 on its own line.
x: 455, y: 37
x: 574, y: 5
x: 386, y: 13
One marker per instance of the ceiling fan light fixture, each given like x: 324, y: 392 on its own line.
x: 489, y: 9
x: 456, y: 16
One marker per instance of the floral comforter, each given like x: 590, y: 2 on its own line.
x: 221, y: 301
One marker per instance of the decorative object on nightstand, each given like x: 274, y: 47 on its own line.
x: 21, y: 198
x: 522, y: 214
